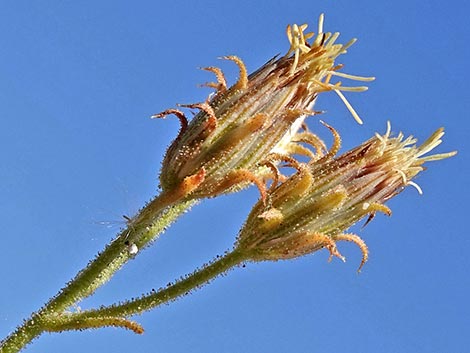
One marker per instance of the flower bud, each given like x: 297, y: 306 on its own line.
x: 314, y: 207
x: 228, y: 144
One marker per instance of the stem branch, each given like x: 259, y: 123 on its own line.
x: 154, y: 299
x: 141, y: 231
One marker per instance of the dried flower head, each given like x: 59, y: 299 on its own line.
x: 228, y: 144
x: 314, y: 208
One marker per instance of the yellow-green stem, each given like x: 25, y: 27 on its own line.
x: 154, y: 299
x: 141, y: 231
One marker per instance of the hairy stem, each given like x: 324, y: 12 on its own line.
x: 140, y: 232
x: 154, y: 299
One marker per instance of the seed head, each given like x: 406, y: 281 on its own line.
x: 230, y: 142
x: 314, y: 207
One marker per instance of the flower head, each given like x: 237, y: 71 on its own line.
x: 314, y: 208
x: 229, y: 143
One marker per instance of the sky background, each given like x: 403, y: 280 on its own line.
x: 78, y: 82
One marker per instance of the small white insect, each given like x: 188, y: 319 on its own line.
x: 133, y: 249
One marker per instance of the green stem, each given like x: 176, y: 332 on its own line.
x: 22, y: 336
x: 154, y: 299
x: 141, y: 231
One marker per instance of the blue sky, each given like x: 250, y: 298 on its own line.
x: 78, y: 82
